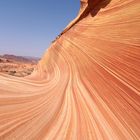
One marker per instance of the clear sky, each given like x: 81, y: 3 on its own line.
x: 27, y: 27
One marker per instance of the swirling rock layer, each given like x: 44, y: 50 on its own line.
x: 87, y: 85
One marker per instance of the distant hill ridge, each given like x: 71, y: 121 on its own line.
x: 26, y: 59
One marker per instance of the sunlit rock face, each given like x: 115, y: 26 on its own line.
x: 87, y: 85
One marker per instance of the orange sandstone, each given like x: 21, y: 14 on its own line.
x: 87, y: 85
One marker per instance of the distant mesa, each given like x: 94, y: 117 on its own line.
x: 19, y: 66
x: 23, y: 59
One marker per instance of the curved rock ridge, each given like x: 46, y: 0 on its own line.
x: 87, y: 84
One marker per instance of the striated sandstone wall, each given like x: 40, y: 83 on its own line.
x: 87, y: 85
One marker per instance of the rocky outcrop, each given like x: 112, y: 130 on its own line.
x: 20, y: 59
x: 86, y: 86
x: 17, y: 65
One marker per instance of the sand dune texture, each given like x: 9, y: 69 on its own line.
x: 86, y: 86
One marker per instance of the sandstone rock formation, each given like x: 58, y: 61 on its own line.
x: 17, y: 65
x: 86, y: 86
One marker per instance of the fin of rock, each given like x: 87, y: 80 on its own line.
x: 87, y: 84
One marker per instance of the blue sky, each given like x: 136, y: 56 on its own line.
x: 27, y: 27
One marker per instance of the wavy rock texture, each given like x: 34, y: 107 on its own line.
x: 87, y: 85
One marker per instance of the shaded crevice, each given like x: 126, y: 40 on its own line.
x: 87, y: 7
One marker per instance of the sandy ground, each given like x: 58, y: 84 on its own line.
x: 16, y: 68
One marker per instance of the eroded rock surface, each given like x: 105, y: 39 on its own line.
x: 86, y: 86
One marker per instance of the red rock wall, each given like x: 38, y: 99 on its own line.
x: 87, y: 85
